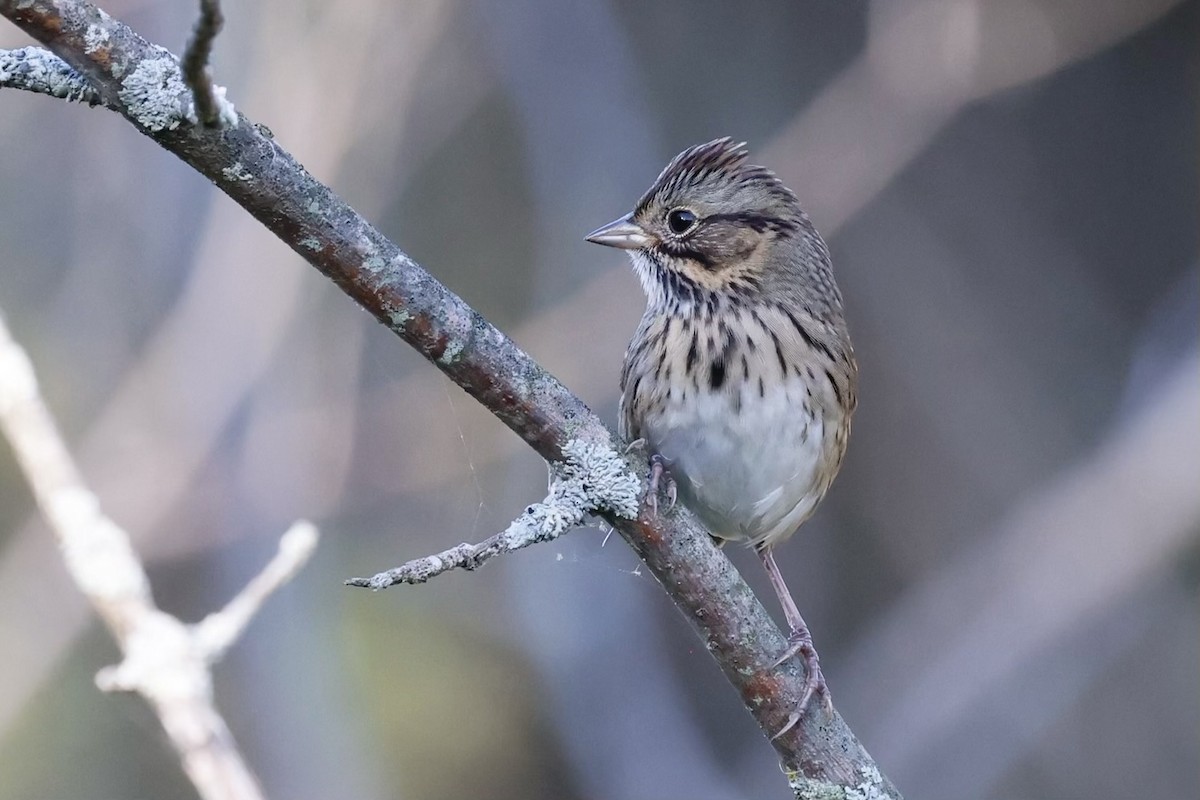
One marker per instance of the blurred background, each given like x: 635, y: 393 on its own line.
x: 1002, y: 583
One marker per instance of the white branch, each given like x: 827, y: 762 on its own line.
x: 216, y: 632
x: 165, y: 660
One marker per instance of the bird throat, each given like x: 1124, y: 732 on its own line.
x: 674, y: 288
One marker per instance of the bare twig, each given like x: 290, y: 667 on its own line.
x: 219, y: 630
x: 195, y: 63
x: 590, y: 479
x: 821, y: 756
x: 165, y: 660
x: 33, y: 69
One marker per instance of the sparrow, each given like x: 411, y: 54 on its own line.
x: 740, y: 380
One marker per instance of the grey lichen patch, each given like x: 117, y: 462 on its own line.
x: 459, y: 327
x: 94, y: 38
x: 226, y: 113
x: 544, y: 521
x: 237, y: 172
x: 310, y: 243
x: 870, y: 787
x: 398, y: 318
x: 36, y: 70
x: 521, y: 387
x: 604, y: 480
x: 453, y: 350
x: 374, y: 264
x: 591, y: 478
x: 156, y: 96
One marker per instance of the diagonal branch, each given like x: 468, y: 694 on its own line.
x: 143, y: 82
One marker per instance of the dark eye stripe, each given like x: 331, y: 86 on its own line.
x: 697, y: 256
x: 758, y: 222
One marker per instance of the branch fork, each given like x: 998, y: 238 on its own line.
x: 159, y: 94
x: 165, y: 660
x: 590, y: 479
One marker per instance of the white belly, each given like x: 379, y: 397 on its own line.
x: 752, y: 475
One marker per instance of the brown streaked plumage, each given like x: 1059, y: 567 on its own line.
x: 740, y: 379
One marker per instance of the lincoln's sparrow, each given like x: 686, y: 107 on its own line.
x: 740, y: 379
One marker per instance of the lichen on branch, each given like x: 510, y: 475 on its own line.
x: 33, y: 69
x: 591, y: 479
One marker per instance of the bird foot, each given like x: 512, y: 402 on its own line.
x: 800, y: 643
x: 660, y: 477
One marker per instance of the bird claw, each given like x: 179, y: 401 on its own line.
x: 658, y: 471
x: 800, y: 643
x: 792, y: 719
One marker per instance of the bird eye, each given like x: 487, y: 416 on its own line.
x: 680, y: 220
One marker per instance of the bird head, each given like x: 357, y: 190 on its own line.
x: 713, y: 224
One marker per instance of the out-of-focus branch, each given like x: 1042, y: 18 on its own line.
x: 821, y: 755
x: 924, y: 62
x: 178, y: 439
x: 165, y: 661
x: 195, y: 63
x: 219, y: 630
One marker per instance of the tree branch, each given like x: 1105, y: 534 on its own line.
x: 40, y: 71
x: 165, y: 661
x: 821, y: 756
x: 195, y: 64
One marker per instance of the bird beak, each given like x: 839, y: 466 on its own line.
x: 623, y: 233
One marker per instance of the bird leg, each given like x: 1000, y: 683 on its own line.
x: 799, y: 643
x: 660, y: 476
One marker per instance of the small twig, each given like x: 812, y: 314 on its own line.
x: 219, y: 630
x: 541, y: 522
x: 590, y: 479
x: 164, y: 660
x: 464, y: 556
x: 33, y: 69
x: 195, y: 63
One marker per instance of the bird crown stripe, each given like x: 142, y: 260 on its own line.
x: 721, y: 159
